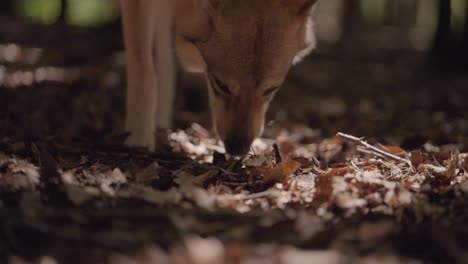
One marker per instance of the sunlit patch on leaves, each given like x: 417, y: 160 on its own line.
x: 17, y: 174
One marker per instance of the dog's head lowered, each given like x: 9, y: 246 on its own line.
x: 247, y: 48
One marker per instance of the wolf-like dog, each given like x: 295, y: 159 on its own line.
x: 244, y: 48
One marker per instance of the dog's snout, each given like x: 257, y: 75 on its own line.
x: 237, y: 146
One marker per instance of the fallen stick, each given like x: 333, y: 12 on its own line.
x: 374, y: 150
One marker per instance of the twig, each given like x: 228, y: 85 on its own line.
x: 376, y: 151
x: 355, y: 167
x: 226, y: 172
x: 364, y: 150
x: 257, y: 195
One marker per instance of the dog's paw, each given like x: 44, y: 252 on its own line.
x: 145, y: 140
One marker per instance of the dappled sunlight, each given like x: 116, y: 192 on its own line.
x: 24, y: 78
x: 20, y: 68
x: 13, y: 53
x: 16, y: 57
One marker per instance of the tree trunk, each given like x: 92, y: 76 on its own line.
x: 441, y: 46
x: 464, y: 44
x: 351, y: 15
x: 63, y: 13
x: 6, y: 7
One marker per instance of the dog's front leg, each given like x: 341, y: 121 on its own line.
x: 165, y: 62
x: 139, y: 38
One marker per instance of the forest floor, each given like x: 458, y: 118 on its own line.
x: 70, y: 192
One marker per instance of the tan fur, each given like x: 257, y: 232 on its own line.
x: 244, y: 47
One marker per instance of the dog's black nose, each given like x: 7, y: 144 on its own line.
x: 237, y: 146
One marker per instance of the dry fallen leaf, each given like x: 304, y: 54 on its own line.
x: 337, y: 172
x: 416, y: 158
x: 278, y: 173
x: 395, y: 150
x: 329, y: 148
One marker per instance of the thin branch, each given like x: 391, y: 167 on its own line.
x: 365, y: 150
x: 257, y: 195
x: 374, y: 150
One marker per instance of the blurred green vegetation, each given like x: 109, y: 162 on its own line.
x: 91, y: 12
x: 39, y: 11
x: 80, y: 13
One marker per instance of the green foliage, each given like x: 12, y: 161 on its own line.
x: 91, y: 12
x: 81, y: 13
x: 38, y: 11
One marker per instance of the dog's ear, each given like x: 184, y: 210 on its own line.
x: 301, y: 6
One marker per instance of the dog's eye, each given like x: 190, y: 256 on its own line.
x: 220, y: 88
x: 270, y: 91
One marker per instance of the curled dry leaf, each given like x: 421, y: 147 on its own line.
x: 278, y: 173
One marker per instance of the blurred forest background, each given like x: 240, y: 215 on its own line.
x: 388, y: 68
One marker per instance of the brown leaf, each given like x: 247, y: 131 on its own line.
x: 238, y: 252
x: 279, y: 173
x: 329, y: 148
x: 395, y: 150
x: 416, y: 158
x: 286, y: 147
x: 324, y: 188
x: 441, y: 156
x: 305, y: 162
x: 337, y: 172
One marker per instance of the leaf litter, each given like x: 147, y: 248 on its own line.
x: 306, y: 198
